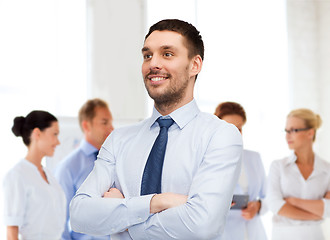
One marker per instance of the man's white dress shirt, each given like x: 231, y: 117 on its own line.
x: 202, y: 160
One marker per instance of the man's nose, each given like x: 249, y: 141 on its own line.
x: 155, y: 62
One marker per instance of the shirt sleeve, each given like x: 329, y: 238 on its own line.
x: 326, y: 211
x: 92, y: 214
x: 14, y: 199
x: 204, y: 214
x: 64, y: 178
x: 262, y: 193
x: 274, y: 196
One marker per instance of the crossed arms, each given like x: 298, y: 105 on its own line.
x: 303, y: 209
x: 199, y: 214
x: 158, y: 203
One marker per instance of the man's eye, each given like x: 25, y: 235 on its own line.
x: 146, y: 56
x: 168, y: 54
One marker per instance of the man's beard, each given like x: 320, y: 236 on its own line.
x: 171, y: 95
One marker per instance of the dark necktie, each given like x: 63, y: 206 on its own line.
x: 95, y: 154
x: 152, y: 175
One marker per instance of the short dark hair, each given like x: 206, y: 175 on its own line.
x: 87, y: 111
x: 194, y: 42
x: 23, y: 126
x: 229, y: 108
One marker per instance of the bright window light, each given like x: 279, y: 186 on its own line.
x: 43, y: 67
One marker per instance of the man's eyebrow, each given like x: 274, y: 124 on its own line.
x: 145, y: 49
x: 164, y: 47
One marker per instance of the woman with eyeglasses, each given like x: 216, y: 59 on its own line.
x: 244, y: 222
x: 35, y: 204
x: 299, y: 185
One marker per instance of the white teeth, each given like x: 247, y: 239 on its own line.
x: 156, y: 79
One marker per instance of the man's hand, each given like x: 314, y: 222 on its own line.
x: 113, y: 193
x: 251, y: 210
x: 163, y: 201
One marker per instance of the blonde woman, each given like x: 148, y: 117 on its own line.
x: 34, y: 201
x: 298, y: 184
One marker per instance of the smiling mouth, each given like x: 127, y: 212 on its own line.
x: 157, y: 79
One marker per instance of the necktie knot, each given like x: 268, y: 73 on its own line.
x: 165, y: 122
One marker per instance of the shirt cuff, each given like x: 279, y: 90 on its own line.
x: 13, y: 221
x: 137, y: 231
x: 326, y: 211
x: 139, y: 209
x: 263, y: 207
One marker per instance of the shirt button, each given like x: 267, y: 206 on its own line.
x: 139, y: 219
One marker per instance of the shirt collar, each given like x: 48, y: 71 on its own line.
x: 181, y: 116
x: 87, y: 148
x: 291, y: 159
x: 319, y: 165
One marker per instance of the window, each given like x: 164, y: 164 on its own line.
x: 43, y: 66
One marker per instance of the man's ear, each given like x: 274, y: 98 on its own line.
x: 196, y: 65
x: 85, y: 126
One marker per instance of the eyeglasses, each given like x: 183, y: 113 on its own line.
x: 295, y: 130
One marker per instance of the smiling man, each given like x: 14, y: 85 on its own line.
x: 172, y: 175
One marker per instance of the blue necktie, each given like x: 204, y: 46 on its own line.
x: 152, y: 175
x: 95, y: 154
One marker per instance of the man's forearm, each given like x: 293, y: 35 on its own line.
x: 163, y: 201
x: 104, y: 216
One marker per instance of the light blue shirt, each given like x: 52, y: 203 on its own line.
x: 236, y: 226
x: 71, y: 173
x: 202, y: 161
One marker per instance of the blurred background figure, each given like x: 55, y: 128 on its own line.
x: 245, y: 223
x: 34, y: 203
x: 299, y: 185
x: 95, y: 120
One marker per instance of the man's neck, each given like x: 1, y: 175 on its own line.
x: 167, y: 108
x: 93, y: 143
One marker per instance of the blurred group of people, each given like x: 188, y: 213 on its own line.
x: 296, y: 189
x: 36, y: 199
x: 109, y: 184
x: 298, y: 186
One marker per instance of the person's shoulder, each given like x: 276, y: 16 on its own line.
x: 251, y: 152
x: 129, y: 130
x: 325, y: 165
x: 72, y: 158
x: 251, y: 155
x: 15, y: 172
x: 211, y: 121
x: 280, y: 163
x: 221, y: 131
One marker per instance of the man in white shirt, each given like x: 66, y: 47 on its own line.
x: 201, y: 163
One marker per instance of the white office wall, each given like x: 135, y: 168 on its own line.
x: 115, y: 37
x: 309, y: 63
